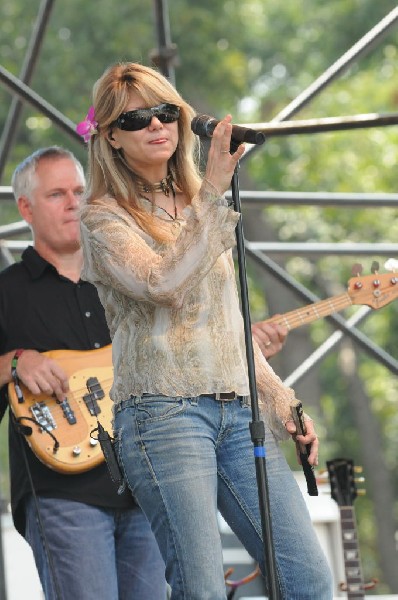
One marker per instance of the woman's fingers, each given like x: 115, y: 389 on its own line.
x: 220, y: 162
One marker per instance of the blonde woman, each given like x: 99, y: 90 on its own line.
x: 157, y: 242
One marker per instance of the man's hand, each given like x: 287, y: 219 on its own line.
x: 42, y: 375
x: 269, y: 336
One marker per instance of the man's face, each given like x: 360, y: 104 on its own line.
x: 53, y: 210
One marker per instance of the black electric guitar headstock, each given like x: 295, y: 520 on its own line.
x: 343, y: 487
x: 342, y: 479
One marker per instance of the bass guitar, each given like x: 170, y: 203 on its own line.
x: 375, y: 290
x: 59, y: 433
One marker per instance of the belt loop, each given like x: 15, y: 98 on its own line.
x: 194, y: 400
x: 245, y: 401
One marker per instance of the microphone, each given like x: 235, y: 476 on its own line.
x: 204, y: 125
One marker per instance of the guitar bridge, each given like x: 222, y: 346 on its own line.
x: 43, y: 417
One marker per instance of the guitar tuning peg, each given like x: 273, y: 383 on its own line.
x: 356, y: 269
x: 361, y: 492
x: 375, y: 267
x: 359, y: 479
x: 391, y: 265
x: 358, y: 469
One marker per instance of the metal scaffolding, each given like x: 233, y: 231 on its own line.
x: 165, y: 56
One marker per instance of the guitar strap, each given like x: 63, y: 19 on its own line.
x: 107, y: 444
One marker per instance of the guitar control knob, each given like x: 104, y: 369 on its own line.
x: 76, y: 451
x: 93, y: 442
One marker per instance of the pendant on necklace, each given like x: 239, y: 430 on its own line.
x: 164, y: 186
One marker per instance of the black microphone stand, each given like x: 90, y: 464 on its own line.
x: 257, y: 430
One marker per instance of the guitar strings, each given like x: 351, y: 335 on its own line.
x: 299, y: 315
x: 82, y: 391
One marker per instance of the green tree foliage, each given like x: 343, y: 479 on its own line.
x: 252, y: 58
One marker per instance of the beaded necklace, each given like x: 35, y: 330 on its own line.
x: 164, y: 186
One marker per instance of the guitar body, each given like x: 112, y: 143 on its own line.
x: 60, y: 435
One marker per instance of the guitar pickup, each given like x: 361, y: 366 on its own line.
x: 43, y: 417
x: 68, y: 412
x: 95, y: 393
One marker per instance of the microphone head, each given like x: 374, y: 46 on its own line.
x: 257, y: 137
x: 203, y: 125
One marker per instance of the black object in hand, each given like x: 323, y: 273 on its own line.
x: 304, y: 451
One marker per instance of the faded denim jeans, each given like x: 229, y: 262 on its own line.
x: 186, y: 458
x: 97, y: 553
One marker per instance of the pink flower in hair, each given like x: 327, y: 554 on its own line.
x: 89, y: 126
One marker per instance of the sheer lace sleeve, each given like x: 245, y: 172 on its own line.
x: 273, y: 396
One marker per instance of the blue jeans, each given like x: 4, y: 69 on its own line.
x: 184, y: 458
x: 97, y: 553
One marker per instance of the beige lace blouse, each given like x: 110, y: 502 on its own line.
x: 173, y: 309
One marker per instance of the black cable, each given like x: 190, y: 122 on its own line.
x: 28, y: 430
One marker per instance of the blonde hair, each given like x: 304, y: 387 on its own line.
x: 108, y: 173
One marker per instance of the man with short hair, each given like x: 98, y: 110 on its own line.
x: 88, y: 541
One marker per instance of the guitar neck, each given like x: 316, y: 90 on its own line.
x: 352, y: 563
x: 312, y: 312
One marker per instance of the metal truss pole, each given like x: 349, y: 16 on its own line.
x: 165, y: 56
x: 32, y: 53
x: 363, y: 46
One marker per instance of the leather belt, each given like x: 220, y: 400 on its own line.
x: 222, y: 396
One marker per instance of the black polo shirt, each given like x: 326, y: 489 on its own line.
x: 42, y: 310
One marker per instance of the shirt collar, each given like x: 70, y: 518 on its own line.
x: 35, y: 264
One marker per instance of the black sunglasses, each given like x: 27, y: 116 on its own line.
x: 133, y: 120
